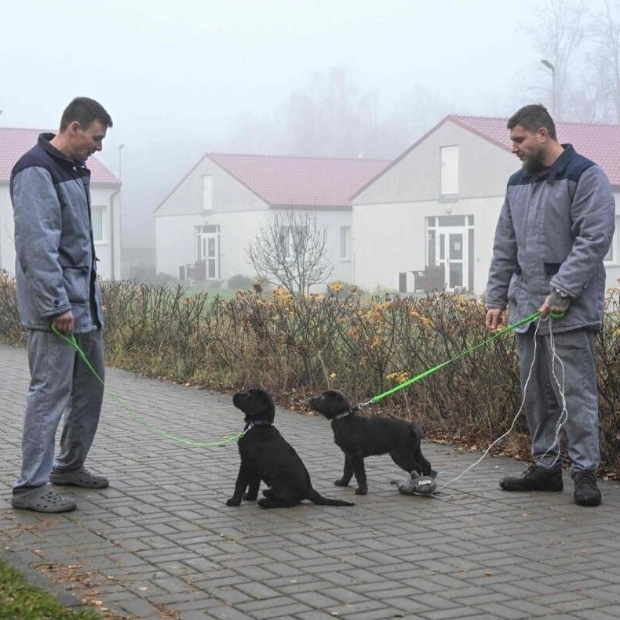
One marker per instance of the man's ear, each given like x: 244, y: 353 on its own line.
x: 74, y: 127
x: 543, y: 135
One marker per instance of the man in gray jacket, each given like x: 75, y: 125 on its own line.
x: 57, y: 287
x: 554, y: 230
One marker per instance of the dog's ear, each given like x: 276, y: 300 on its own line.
x: 264, y: 404
x: 339, y: 400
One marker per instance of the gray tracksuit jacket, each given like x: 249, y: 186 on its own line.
x: 554, y: 231
x: 55, y: 266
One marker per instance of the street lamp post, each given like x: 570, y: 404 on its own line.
x: 120, y: 162
x: 115, y: 240
x: 551, y: 68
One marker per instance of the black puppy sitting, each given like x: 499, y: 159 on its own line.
x: 266, y: 455
x: 359, y: 436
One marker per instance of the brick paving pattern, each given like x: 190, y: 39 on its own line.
x: 161, y: 543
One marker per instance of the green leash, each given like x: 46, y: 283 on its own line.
x: 71, y: 341
x: 430, y: 371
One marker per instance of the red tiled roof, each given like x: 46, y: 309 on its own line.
x: 298, y: 181
x: 301, y: 181
x: 15, y: 142
x: 600, y: 143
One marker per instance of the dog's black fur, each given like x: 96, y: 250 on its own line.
x: 359, y: 436
x: 266, y: 455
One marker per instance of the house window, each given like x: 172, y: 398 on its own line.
x: 293, y: 238
x: 97, y: 218
x: 207, y: 192
x: 449, y: 170
x: 345, y: 242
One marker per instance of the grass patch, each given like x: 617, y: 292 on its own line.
x: 21, y: 601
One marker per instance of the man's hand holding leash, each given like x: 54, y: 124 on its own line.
x: 494, y: 318
x: 64, y: 322
x: 556, y: 304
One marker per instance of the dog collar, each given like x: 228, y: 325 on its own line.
x: 251, y: 425
x: 351, y: 411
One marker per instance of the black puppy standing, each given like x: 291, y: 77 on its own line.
x: 266, y: 455
x: 361, y: 436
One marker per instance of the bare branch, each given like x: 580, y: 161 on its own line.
x: 291, y: 252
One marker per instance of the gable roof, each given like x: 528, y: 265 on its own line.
x: 296, y: 181
x: 15, y: 142
x: 595, y: 141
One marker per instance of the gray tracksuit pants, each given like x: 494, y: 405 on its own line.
x: 570, y: 372
x: 61, y: 383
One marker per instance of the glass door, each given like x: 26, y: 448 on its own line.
x: 209, y: 251
x: 453, y: 256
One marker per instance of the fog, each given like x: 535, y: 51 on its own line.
x: 184, y: 78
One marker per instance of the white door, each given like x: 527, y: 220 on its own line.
x: 209, y: 247
x: 453, y: 253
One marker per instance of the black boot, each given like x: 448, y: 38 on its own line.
x: 586, y: 491
x: 535, y: 478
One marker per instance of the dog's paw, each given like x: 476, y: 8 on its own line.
x: 361, y: 491
x: 342, y: 483
x: 250, y: 497
x: 233, y: 501
x: 269, y: 493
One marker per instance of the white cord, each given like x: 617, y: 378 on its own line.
x: 513, y: 421
x: 564, y: 413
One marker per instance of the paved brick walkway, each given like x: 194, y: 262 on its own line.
x: 161, y: 543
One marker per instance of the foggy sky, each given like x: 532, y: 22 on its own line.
x: 177, y: 77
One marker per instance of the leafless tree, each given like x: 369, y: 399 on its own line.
x: 559, y: 34
x: 413, y: 114
x: 332, y: 116
x: 606, y: 58
x: 291, y: 251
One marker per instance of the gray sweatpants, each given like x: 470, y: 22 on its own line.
x: 60, y: 383
x: 576, y: 376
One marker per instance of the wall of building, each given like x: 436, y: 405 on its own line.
x: 389, y: 217
x: 7, y: 247
x: 108, y: 249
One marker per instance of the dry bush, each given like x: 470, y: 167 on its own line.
x: 297, y: 346
x: 11, y: 330
x: 608, y: 368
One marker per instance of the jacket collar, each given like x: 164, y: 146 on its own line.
x: 558, y: 167
x: 44, y: 143
x: 560, y: 164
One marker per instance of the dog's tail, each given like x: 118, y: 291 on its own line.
x: 317, y: 498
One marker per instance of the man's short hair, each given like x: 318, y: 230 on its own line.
x: 84, y: 111
x: 532, y: 118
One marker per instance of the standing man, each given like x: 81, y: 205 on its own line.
x: 554, y: 230
x: 57, y: 287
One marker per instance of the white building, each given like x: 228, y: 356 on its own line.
x: 437, y: 204
x: 105, y: 200
x: 204, y: 226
